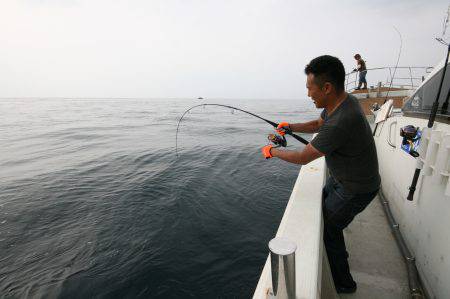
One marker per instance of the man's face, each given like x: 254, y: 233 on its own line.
x: 315, y: 92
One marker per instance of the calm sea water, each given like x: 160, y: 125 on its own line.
x: 95, y: 204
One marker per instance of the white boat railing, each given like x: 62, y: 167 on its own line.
x: 408, y: 77
x: 302, y: 224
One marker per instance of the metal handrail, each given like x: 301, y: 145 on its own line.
x: 414, y: 79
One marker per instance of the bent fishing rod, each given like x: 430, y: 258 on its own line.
x: 276, y: 139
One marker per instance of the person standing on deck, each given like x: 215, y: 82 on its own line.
x: 345, y: 139
x: 361, y: 68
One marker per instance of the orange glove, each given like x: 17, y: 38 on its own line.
x: 266, y: 151
x: 283, y: 127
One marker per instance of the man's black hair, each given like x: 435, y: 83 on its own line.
x: 327, y: 68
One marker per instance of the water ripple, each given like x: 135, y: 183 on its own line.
x: 95, y: 203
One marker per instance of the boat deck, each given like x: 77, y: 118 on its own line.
x: 375, y: 260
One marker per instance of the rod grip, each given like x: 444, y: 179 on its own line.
x: 412, y: 188
x: 305, y: 142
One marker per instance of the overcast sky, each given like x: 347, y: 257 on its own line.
x: 213, y: 49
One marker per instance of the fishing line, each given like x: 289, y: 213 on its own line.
x: 273, y: 124
x: 393, y: 75
x: 396, y: 65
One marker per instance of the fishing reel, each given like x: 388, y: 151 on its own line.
x: 278, y: 140
x: 409, y: 132
x: 410, y: 135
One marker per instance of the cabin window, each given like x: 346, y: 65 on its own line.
x: 422, y: 100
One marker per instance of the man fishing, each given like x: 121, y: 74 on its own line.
x: 345, y: 139
x: 362, y: 69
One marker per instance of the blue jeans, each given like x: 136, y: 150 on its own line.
x: 339, y: 208
x: 362, y: 77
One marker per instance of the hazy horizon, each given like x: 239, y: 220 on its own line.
x: 173, y: 49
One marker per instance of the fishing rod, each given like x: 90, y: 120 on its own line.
x: 433, y: 112
x: 396, y: 65
x: 274, y: 138
x: 393, y: 75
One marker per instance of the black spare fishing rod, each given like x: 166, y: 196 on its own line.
x: 433, y: 112
x: 273, y: 124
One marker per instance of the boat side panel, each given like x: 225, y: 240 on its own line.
x: 302, y: 224
x: 424, y: 221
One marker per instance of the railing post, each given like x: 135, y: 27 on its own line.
x: 282, y: 257
x: 410, y: 75
x: 379, y: 90
x: 390, y: 75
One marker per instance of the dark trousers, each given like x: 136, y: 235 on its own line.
x: 339, y: 209
x: 362, y: 77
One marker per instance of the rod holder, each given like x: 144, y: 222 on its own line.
x: 282, y: 258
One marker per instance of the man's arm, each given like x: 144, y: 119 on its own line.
x: 308, y: 154
x: 308, y: 127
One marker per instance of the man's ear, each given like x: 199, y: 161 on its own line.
x: 327, y: 87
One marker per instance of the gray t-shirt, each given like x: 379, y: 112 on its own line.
x: 347, y: 142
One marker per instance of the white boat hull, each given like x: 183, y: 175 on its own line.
x: 425, y: 221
